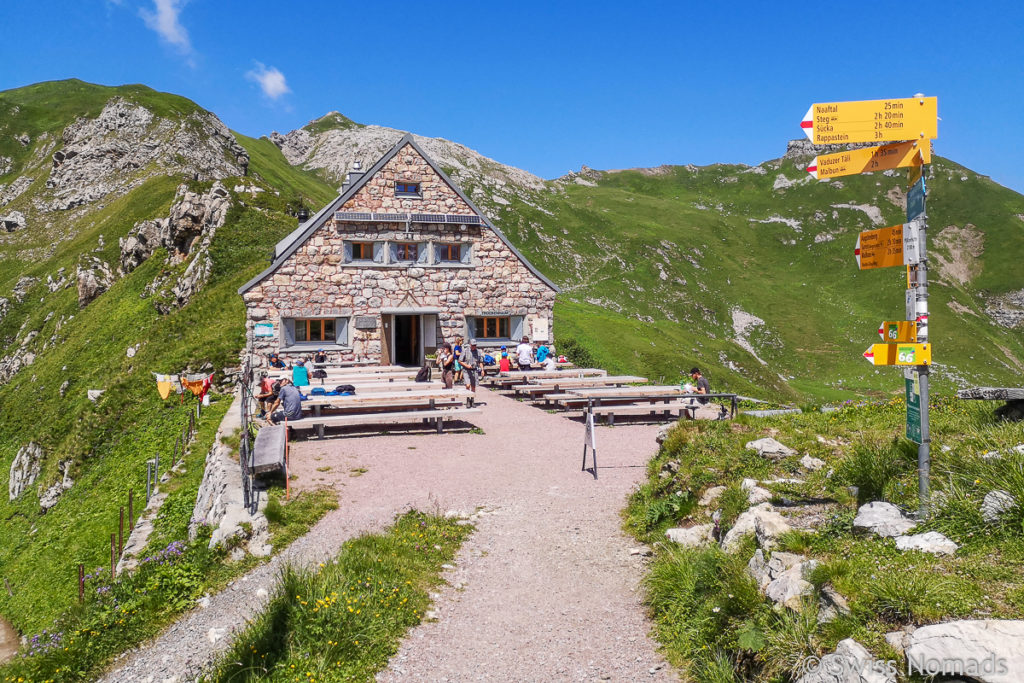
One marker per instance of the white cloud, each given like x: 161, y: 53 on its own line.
x: 270, y: 80
x: 165, y: 22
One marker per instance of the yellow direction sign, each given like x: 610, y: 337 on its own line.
x: 899, y: 354
x: 914, y: 174
x: 912, y: 118
x: 898, y: 330
x: 882, y: 158
x: 880, y: 248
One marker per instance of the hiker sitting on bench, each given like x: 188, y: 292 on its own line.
x: 702, y: 386
x: 289, y: 400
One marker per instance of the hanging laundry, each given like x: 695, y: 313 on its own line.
x: 176, y: 383
x: 164, y: 384
x: 196, y: 383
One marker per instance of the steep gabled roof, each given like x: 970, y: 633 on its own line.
x: 288, y: 246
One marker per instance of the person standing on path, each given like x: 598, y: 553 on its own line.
x: 524, y: 354
x: 472, y: 362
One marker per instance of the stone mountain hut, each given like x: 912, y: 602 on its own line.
x: 399, y: 263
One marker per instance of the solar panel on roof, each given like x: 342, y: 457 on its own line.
x: 352, y: 216
x: 428, y: 218
x: 471, y: 220
x: 391, y: 217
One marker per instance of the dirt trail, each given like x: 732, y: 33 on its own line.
x: 546, y: 589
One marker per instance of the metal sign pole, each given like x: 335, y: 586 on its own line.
x: 924, y: 448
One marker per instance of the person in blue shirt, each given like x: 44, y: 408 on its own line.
x: 542, y: 353
x: 274, y: 361
x: 300, y: 375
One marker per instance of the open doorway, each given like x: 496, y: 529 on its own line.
x: 407, y: 340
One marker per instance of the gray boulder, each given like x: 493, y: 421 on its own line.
x: 711, y: 495
x: 692, y: 537
x: 789, y: 587
x: 850, y: 663
x: 770, y: 448
x: 929, y: 542
x: 986, y: 650
x: 995, y: 504
x: 24, y: 469
x: 15, y: 220
x: 94, y: 277
x: 883, y: 519
x: 771, y: 525
x: 831, y: 605
x: 811, y: 463
x: 755, y: 493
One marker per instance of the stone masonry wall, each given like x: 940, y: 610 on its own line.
x: 316, y: 282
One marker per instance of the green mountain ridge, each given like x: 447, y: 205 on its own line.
x: 661, y: 269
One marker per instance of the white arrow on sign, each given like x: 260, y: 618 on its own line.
x: 870, y: 354
x: 856, y: 251
x: 808, y: 127
x: 813, y: 168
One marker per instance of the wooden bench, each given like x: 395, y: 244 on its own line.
x: 1012, y: 410
x: 318, y: 423
x: 268, y: 452
x: 654, y: 410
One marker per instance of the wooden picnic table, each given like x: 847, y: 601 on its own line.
x: 349, y: 378
x: 390, y: 400
x: 639, y: 402
x: 1012, y: 410
x: 507, y: 379
x: 375, y: 387
x: 546, y: 385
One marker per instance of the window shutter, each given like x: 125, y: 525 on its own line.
x: 288, y: 332
x: 435, y: 253
x: 348, y: 252
x: 470, y: 331
x: 467, y: 254
x: 341, y: 331
x: 392, y: 252
x: 517, y: 327
x: 424, y: 255
x: 378, y: 252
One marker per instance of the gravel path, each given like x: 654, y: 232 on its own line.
x: 546, y: 589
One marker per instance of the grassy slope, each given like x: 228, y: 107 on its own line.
x: 109, y: 441
x: 821, y: 313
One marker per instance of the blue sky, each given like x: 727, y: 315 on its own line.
x: 548, y: 86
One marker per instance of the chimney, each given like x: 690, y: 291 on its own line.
x: 353, y: 176
x: 302, y: 215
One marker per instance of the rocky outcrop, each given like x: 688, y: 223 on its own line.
x: 8, y: 193
x: 21, y: 288
x: 24, y: 469
x: 186, y: 233
x: 929, y: 542
x: 762, y: 520
x: 850, y: 663
x: 127, y: 143
x: 15, y: 220
x: 52, y: 494
x: 334, y: 151
x: 1007, y: 310
x: 94, y: 277
x: 20, y: 358
x: 769, y: 448
x: 882, y: 519
x: 191, y: 218
x: 986, y: 650
x: 692, y: 537
x: 995, y: 504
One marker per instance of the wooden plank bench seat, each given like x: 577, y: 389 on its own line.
x: 1012, y: 410
x: 317, y: 423
x: 268, y: 452
x: 664, y: 410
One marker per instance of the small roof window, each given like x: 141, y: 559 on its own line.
x: 406, y: 189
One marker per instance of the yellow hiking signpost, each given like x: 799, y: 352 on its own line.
x: 897, y: 245
x: 898, y: 330
x: 899, y: 354
x: 912, y: 118
x: 871, y: 159
x: 911, y: 123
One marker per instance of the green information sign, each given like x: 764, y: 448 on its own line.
x: 913, y: 408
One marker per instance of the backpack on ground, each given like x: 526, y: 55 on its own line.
x: 424, y: 374
x: 345, y: 389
